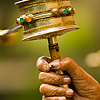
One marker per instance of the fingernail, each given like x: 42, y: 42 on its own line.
x: 62, y: 98
x: 43, y: 98
x: 66, y: 80
x: 69, y: 92
x: 54, y: 64
x: 46, y: 68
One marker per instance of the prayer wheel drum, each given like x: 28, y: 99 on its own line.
x: 45, y: 18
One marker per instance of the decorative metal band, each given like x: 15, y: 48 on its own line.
x: 33, y: 5
x: 44, y: 27
x: 24, y: 1
x: 44, y: 11
x: 50, y: 13
x: 40, y: 3
x: 45, y: 19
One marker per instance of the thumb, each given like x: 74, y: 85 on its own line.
x: 75, y: 71
x: 67, y: 64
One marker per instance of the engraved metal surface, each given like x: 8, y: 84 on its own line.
x: 45, y: 25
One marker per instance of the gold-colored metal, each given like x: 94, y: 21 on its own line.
x: 23, y: 1
x: 43, y: 11
x: 44, y: 34
x: 48, y: 27
x: 36, y: 28
x: 71, y: 10
x: 33, y: 5
x: 9, y: 36
x: 54, y: 48
x: 61, y: 11
x: 3, y: 32
x: 39, y: 2
x: 11, y: 30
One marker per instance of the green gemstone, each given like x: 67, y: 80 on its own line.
x: 65, y: 11
x: 21, y: 20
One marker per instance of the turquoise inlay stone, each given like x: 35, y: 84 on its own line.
x: 21, y: 20
x: 65, y: 11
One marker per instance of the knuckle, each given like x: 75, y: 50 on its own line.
x: 41, y: 76
x: 42, y: 88
x: 42, y: 64
x: 39, y: 67
x: 69, y: 60
x: 65, y: 63
x: 39, y: 60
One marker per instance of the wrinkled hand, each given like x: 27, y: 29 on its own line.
x: 81, y: 85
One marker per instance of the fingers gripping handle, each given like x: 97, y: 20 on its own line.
x: 55, y: 52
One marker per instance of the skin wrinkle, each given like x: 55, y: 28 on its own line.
x: 44, y: 78
x: 82, y: 75
x: 84, y: 89
x: 54, y: 98
x: 53, y: 91
x: 76, y: 97
x: 47, y: 59
x: 49, y: 90
x: 53, y: 78
x: 83, y: 93
x: 43, y: 61
x: 84, y: 86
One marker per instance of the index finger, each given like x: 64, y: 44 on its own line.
x: 43, y: 64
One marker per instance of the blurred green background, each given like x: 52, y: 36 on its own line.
x: 18, y: 72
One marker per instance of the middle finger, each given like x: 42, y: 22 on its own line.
x: 54, y: 79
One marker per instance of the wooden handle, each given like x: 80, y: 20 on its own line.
x: 55, y: 53
x: 54, y: 48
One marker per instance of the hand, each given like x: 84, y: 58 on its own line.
x: 83, y: 86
